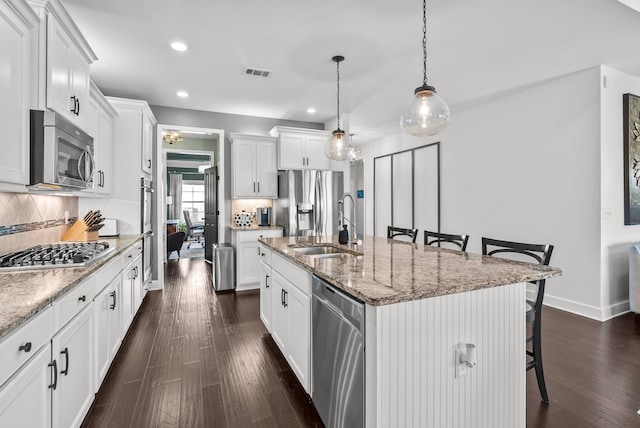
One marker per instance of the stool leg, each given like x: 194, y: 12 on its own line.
x: 537, y: 356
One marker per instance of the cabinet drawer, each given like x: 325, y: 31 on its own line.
x: 295, y: 274
x: 37, y: 332
x: 265, y: 255
x: 254, y: 235
x: 106, y: 274
x: 67, y: 306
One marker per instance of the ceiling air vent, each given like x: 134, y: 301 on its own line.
x: 257, y: 72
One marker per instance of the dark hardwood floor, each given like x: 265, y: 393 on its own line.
x: 193, y: 358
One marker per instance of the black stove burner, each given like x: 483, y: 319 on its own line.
x: 71, y: 254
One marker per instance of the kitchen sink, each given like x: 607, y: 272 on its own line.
x: 325, y: 251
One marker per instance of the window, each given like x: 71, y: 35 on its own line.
x: 193, y: 200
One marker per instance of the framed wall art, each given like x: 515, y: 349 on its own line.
x: 631, y: 117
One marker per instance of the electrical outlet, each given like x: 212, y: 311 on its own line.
x: 461, y: 368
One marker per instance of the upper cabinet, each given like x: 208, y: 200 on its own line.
x: 253, y: 167
x: 63, y: 59
x: 17, y: 21
x: 300, y: 148
x: 100, y: 115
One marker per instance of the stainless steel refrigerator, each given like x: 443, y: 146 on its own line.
x: 307, y: 202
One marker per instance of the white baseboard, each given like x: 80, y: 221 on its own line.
x: 588, y: 311
x: 248, y: 287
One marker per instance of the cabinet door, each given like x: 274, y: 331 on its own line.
x: 92, y: 122
x: 248, y: 271
x: 106, y: 329
x: 104, y: 154
x: 147, y: 144
x: 265, y: 295
x: 298, y: 306
x: 266, y: 171
x: 137, y: 284
x: 126, y: 302
x: 79, y: 86
x: 316, y: 159
x: 14, y: 87
x: 279, y: 317
x: 243, y: 167
x: 72, y: 348
x: 25, y: 401
x: 291, y: 151
x: 58, y: 69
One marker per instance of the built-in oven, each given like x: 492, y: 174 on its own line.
x: 61, y: 153
x: 146, y: 226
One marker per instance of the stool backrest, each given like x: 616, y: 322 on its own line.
x: 393, y: 232
x: 435, y: 238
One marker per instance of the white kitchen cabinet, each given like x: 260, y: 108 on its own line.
x: 130, y: 277
x: 253, y: 167
x: 137, y: 286
x: 107, y: 332
x: 63, y: 60
x: 124, y: 203
x: 25, y: 400
x: 16, y: 23
x: 72, y: 348
x: 147, y: 144
x: 100, y: 116
x: 300, y: 148
x: 290, y: 325
x: 247, y: 249
x: 266, y: 301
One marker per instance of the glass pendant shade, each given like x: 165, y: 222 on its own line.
x: 427, y: 114
x: 337, y: 146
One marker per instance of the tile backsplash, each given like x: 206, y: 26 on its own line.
x: 31, y: 219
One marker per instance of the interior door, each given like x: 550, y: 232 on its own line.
x: 210, y: 211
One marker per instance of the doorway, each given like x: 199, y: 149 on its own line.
x: 188, y: 151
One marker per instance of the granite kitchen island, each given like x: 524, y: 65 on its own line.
x: 420, y: 303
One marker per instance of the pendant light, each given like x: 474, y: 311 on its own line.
x: 338, y: 144
x: 427, y: 114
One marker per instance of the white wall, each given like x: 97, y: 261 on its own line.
x: 526, y: 167
x: 615, y: 236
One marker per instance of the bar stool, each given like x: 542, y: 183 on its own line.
x: 459, y: 240
x: 393, y: 232
x: 542, y: 254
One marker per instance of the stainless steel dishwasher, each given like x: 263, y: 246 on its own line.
x: 337, y: 356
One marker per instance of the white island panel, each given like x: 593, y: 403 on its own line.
x: 410, y: 361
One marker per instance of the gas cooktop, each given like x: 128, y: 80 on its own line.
x: 68, y: 254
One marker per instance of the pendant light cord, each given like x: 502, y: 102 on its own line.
x: 338, y: 96
x: 424, y: 42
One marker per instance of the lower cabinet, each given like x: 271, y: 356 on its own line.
x: 247, y: 249
x: 72, y: 350
x: 290, y: 325
x: 265, y: 294
x: 107, y: 311
x: 131, y: 292
x: 25, y: 401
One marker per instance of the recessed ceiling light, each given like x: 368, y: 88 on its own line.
x: 179, y: 46
x: 182, y: 94
x: 311, y: 110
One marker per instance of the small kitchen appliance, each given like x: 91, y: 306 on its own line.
x: 264, y: 216
x: 110, y: 228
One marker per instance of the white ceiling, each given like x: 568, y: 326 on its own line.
x: 478, y: 50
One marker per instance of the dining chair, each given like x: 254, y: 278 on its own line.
x: 542, y: 255
x: 174, y: 242
x: 436, y: 238
x: 394, y: 232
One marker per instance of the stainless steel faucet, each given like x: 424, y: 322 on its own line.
x: 352, y: 221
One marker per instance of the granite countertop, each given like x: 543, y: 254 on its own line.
x: 24, y: 293
x: 392, y: 271
x: 255, y: 227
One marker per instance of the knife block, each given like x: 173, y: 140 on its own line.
x: 79, y: 231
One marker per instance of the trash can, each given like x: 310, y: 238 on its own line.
x: 224, y: 267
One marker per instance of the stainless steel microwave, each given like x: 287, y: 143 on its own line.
x: 61, y: 153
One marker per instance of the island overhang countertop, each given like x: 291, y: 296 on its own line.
x: 390, y: 271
